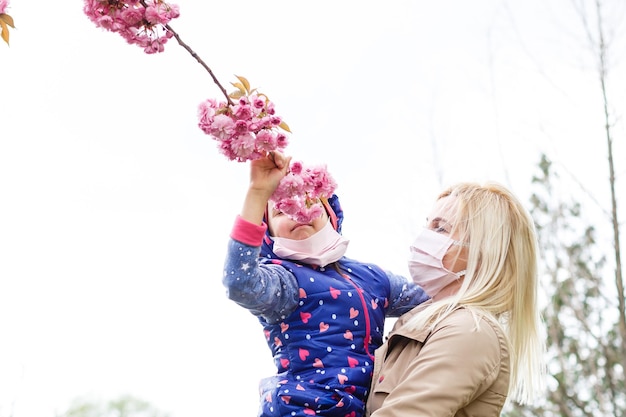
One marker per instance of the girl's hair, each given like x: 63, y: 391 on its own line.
x: 501, y: 277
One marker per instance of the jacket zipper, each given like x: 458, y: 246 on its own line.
x: 368, y: 334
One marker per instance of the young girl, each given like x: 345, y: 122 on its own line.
x: 322, y: 313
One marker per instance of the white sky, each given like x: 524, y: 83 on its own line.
x: 115, y: 208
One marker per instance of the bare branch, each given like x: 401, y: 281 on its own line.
x: 196, y: 57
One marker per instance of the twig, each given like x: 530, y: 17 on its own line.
x: 196, y: 56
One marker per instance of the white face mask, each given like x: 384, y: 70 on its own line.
x: 322, y: 248
x: 426, y: 261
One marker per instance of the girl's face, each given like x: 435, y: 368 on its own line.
x: 283, y: 226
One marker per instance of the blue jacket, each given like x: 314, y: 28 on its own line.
x: 321, y: 324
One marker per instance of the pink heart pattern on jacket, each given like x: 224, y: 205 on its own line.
x: 324, y: 349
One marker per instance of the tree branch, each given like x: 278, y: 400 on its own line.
x: 195, y: 56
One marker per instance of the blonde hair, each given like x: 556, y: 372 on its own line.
x: 501, y: 278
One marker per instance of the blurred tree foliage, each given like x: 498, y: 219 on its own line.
x: 585, y: 347
x: 124, y: 406
x: 583, y: 282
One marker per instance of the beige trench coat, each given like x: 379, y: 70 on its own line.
x: 455, y: 370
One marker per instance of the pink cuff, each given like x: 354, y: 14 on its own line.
x: 248, y: 233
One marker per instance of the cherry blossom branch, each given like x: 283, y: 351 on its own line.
x: 194, y: 55
x: 244, y: 126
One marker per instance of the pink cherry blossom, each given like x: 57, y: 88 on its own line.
x: 296, y: 168
x: 242, y: 111
x: 206, y: 110
x: 244, y: 129
x: 266, y: 140
x: 222, y: 128
x: 3, y: 5
x: 243, y: 146
x: 257, y: 102
x: 298, y: 194
x: 138, y: 25
x: 281, y: 141
x: 131, y: 16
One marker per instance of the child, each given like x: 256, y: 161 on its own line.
x: 323, y: 314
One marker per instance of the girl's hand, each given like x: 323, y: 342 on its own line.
x: 266, y: 173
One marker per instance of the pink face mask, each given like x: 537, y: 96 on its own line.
x: 426, y: 261
x: 324, y: 247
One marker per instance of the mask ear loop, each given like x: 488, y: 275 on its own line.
x: 463, y: 245
x: 331, y: 214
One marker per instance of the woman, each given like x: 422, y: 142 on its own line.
x: 478, y: 340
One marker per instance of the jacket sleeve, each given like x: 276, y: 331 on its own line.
x: 456, y: 364
x: 267, y: 290
x: 404, y: 295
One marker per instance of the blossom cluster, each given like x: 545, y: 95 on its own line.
x: 6, y: 21
x: 245, y: 126
x: 245, y: 130
x: 140, y: 22
x: 301, y: 189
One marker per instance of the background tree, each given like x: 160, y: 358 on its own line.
x: 124, y: 406
x: 583, y: 281
x: 585, y: 353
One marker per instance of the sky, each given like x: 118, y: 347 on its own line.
x: 115, y: 208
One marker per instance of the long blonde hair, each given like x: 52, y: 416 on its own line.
x: 501, y: 278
